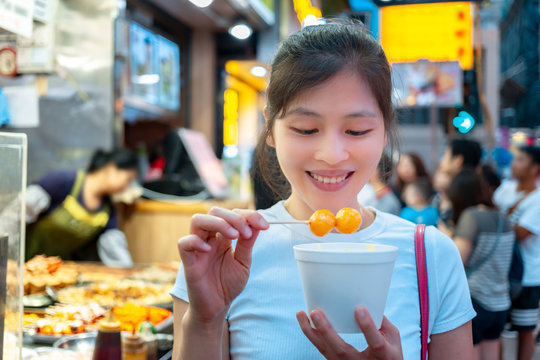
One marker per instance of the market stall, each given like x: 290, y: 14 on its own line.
x: 64, y: 303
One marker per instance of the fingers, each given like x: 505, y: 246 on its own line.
x: 231, y: 224
x: 338, y: 347
x: 188, y: 245
x: 312, y: 334
x: 375, y: 339
x: 390, y: 331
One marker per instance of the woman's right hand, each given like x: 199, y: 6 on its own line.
x: 215, y: 272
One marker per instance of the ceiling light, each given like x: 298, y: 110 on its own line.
x: 240, y: 31
x: 202, y: 3
x: 311, y: 20
x: 258, y: 71
x: 147, y: 79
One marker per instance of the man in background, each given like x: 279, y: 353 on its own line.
x: 520, y: 200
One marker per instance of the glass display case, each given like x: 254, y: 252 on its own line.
x: 13, y: 149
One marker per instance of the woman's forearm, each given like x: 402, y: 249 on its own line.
x: 200, y: 340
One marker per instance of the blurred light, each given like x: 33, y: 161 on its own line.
x: 230, y: 151
x: 240, y: 31
x: 312, y: 20
x: 147, y: 79
x: 259, y: 71
x: 202, y: 3
x: 464, y: 122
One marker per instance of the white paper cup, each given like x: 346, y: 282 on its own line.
x: 338, y: 277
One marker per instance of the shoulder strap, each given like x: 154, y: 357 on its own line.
x: 421, y: 272
x: 77, y: 184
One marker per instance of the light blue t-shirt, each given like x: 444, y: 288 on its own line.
x: 262, y: 319
x: 428, y: 215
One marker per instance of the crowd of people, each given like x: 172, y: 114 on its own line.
x: 491, y: 221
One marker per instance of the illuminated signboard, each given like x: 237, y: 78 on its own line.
x: 409, y: 2
x: 436, y: 32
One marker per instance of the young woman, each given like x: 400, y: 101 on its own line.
x: 409, y: 169
x: 70, y: 214
x: 329, y: 116
x: 485, y: 240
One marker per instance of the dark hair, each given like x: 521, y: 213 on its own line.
x: 314, y: 55
x: 385, y: 168
x: 419, y: 168
x: 424, y: 188
x: 470, y: 150
x: 122, y: 158
x: 468, y: 189
x: 490, y: 176
x: 533, y: 152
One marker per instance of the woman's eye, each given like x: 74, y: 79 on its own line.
x: 357, y: 133
x: 304, y: 131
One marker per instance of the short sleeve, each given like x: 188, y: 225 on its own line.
x: 529, y: 219
x: 179, y: 289
x: 467, y: 226
x: 450, y: 300
x: 57, y: 184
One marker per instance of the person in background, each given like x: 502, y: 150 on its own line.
x: 520, y: 201
x: 485, y: 240
x: 70, y: 213
x: 459, y: 154
x: 417, y: 196
x: 329, y: 117
x: 377, y: 193
x: 410, y: 168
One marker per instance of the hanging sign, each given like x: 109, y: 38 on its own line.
x: 17, y: 16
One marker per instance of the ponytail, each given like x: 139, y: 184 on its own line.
x: 121, y: 158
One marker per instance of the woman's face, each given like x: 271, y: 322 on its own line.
x: 329, y: 144
x: 406, y: 170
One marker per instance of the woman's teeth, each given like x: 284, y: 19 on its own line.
x: 328, y: 180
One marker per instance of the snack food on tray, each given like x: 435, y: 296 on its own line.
x: 64, y: 319
x: 131, y: 315
x: 76, y: 319
x: 118, y: 293
x: 42, y: 271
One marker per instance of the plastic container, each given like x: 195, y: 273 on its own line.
x: 338, y: 277
x: 108, y: 341
x: 147, y: 331
x: 133, y: 347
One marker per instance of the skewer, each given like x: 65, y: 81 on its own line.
x: 289, y: 222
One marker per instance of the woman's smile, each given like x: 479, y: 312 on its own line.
x: 330, y: 180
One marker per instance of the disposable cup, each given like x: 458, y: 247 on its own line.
x: 338, y: 277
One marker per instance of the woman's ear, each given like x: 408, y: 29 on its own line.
x: 270, y: 138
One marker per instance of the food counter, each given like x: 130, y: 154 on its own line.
x: 153, y: 228
x: 66, y: 299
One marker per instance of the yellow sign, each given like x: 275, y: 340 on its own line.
x: 230, y: 121
x: 437, y: 32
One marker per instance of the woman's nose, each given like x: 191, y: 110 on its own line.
x: 332, y: 149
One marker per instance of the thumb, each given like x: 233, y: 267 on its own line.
x: 244, y: 247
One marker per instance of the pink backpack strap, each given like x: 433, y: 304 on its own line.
x: 421, y: 272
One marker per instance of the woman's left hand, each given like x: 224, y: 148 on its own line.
x: 382, y: 344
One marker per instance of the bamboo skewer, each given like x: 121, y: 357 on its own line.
x: 289, y: 222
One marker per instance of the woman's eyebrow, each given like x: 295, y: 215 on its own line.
x: 303, y: 111
x: 307, y: 112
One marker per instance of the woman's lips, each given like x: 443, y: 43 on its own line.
x: 329, y: 181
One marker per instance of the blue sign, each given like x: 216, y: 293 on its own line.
x: 464, y: 122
